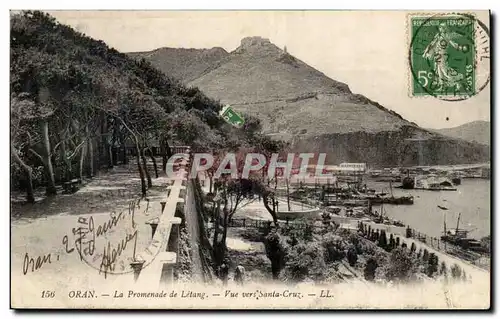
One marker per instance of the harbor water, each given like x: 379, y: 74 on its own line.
x: 471, y: 199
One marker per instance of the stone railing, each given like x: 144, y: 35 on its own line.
x: 155, y: 265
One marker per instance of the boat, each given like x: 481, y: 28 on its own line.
x: 377, y: 199
x: 459, y: 237
x: 398, y: 223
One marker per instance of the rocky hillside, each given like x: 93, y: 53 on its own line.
x: 183, y: 64
x: 477, y: 131
x: 298, y: 103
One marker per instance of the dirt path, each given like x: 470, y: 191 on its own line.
x: 194, y: 231
x: 45, y: 230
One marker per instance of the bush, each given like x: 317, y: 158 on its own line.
x: 425, y: 256
x: 432, y: 265
x: 413, y: 247
x: 354, y: 239
x: 352, y: 256
x: 456, y: 271
x: 382, y: 240
x: 370, y: 268
x: 442, y: 270
x: 276, y: 252
x: 305, y: 260
x: 402, y: 267
x: 334, y: 248
x: 392, y: 243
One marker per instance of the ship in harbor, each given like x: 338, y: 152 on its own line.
x: 459, y: 237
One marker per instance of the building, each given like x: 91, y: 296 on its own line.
x: 353, y: 167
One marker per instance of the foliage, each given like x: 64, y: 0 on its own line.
x: 382, y: 240
x: 352, y: 256
x: 370, y: 269
x: 305, y: 261
x: 456, y: 271
x: 276, y: 252
x: 402, y: 266
x: 89, y: 94
x: 432, y: 265
x: 442, y: 269
x: 334, y: 247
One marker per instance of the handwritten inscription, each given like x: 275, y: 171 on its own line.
x: 109, y: 255
x: 83, y: 242
x: 35, y: 264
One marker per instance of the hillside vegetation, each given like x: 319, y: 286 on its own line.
x: 76, y: 104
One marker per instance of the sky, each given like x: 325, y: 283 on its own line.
x: 368, y: 50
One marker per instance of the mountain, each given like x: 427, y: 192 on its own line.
x: 183, y: 64
x: 477, y: 131
x: 298, y: 103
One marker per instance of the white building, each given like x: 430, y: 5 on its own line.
x: 354, y: 167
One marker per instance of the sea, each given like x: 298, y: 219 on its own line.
x: 471, y: 199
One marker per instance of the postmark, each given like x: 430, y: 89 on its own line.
x: 109, y: 247
x: 448, y: 56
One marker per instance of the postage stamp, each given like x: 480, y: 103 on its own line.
x: 446, y: 55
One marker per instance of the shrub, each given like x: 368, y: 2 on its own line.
x: 276, y: 252
x: 305, y: 260
x: 432, y: 265
x: 442, y: 270
x: 382, y: 240
x: 456, y: 271
x: 334, y: 248
x: 413, y: 247
x: 352, y: 256
x: 425, y: 256
x: 370, y: 268
x: 392, y: 243
x: 402, y: 266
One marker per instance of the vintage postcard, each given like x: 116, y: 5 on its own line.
x: 250, y: 160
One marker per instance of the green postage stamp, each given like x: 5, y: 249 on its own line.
x: 446, y: 51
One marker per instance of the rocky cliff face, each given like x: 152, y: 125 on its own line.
x: 408, y: 146
x: 298, y: 103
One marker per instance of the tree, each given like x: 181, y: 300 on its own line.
x: 413, y: 248
x: 392, y: 243
x: 305, y: 260
x: 276, y: 252
x: 442, y: 270
x: 334, y: 248
x: 408, y: 232
x: 382, y: 241
x: 352, y: 256
x: 370, y: 268
x: 432, y: 265
x: 233, y: 194
x: 456, y: 271
x: 402, y: 267
x: 425, y: 256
